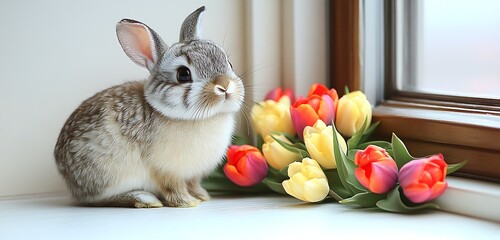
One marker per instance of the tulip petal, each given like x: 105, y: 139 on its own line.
x: 297, y: 182
x: 270, y: 116
x: 310, y: 162
x: 410, y: 172
x: 317, y: 89
x: 316, y: 189
x: 276, y: 155
x: 347, y: 113
x: 423, y: 179
x: 319, y: 141
x: 326, y: 111
x: 302, y: 116
x: 287, y: 185
x: 307, y: 181
x: 313, y: 172
x: 274, y: 94
x: 417, y: 193
x: 253, y: 168
x: 376, y: 171
x: 234, y: 152
x: 235, y: 176
x: 437, y: 190
x: 383, y: 177
x: 353, y: 109
x: 246, y: 166
x: 360, y: 174
x: 294, y: 168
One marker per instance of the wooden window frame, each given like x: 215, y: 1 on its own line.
x: 462, y: 128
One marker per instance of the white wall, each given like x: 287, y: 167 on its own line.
x: 55, y: 54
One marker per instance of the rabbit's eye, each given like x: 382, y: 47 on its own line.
x: 184, y: 75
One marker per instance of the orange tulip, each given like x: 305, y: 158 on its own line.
x: 245, y: 165
x: 320, y: 103
x: 319, y: 89
x: 376, y: 171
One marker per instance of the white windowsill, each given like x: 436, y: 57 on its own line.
x: 252, y: 217
x: 471, y: 198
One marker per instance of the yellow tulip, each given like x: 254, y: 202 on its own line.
x: 307, y: 181
x: 276, y: 155
x: 319, y: 144
x: 270, y: 116
x: 352, y: 111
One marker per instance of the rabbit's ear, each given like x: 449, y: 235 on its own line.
x: 141, y: 44
x: 191, y: 27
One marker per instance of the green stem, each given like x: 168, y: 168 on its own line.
x: 335, y: 196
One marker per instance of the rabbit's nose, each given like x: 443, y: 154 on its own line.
x: 220, y: 90
x: 223, y: 85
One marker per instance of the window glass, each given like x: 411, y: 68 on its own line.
x: 458, y: 48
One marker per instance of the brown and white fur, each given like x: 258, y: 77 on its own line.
x: 149, y: 143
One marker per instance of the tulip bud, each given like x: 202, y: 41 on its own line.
x: 245, y: 165
x: 352, y: 112
x: 319, y: 144
x: 376, y: 171
x: 307, y: 181
x: 270, y: 116
x: 278, y: 92
x: 276, y: 155
x: 423, y: 180
x: 305, y: 112
x: 319, y: 89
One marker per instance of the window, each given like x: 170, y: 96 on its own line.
x: 401, y: 57
x: 452, y: 47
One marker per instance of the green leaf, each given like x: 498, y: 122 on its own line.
x: 337, y: 152
x: 355, y: 140
x: 277, y: 176
x: 275, y: 186
x: 290, y: 138
x: 401, y: 154
x: 296, y: 147
x: 240, y: 140
x: 352, y: 153
x: 366, y: 199
x: 335, y: 183
x: 383, y: 144
x: 351, y: 177
x: 395, y: 203
x: 368, y: 132
x: 284, y: 171
x: 391, y: 153
x: 346, y: 90
x: 360, y: 137
x: 454, y: 167
x: 345, y: 167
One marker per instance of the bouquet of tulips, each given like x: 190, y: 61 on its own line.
x: 302, y: 151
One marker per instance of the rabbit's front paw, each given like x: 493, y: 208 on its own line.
x: 181, y: 200
x: 197, y: 191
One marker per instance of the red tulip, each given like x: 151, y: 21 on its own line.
x: 319, y: 89
x: 246, y: 166
x: 278, y: 92
x: 424, y: 179
x: 376, y: 171
x: 305, y: 112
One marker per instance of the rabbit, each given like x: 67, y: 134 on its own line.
x: 148, y: 144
